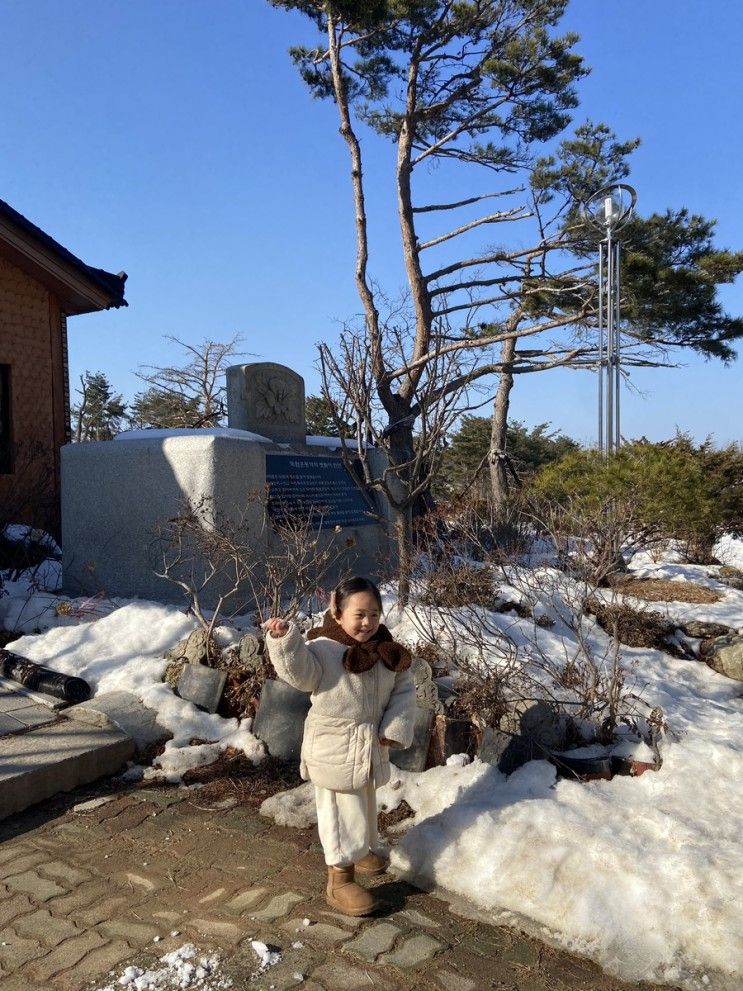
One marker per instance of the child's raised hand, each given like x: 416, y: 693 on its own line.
x: 276, y: 627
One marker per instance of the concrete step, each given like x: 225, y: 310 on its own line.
x: 50, y: 759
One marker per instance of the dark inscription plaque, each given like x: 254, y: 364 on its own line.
x: 304, y: 486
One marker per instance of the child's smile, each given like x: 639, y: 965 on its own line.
x: 360, y: 616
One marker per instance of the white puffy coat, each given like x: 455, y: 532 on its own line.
x: 349, y: 712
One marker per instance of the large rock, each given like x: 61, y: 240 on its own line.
x: 725, y: 655
x: 703, y: 631
x: 529, y: 731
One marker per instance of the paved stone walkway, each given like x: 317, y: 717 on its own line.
x: 90, y: 887
x: 21, y: 709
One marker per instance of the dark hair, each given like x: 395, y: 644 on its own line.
x: 350, y: 586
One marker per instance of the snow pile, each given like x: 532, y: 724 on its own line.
x: 267, y: 957
x: 157, y: 433
x: 729, y: 550
x: 181, y: 970
x: 292, y: 808
x: 118, y: 645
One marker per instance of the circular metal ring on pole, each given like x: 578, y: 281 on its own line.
x: 610, y: 207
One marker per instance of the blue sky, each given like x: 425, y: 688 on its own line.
x: 174, y: 140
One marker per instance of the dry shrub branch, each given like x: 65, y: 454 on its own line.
x: 267, y: 561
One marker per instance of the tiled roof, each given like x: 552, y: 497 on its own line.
x: 112, y: 285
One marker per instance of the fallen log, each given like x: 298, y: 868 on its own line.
x: 37, y: 678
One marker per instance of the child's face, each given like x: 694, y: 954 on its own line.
x: 360, y: 616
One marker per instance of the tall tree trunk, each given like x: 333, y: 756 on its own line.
x: 499, y: 425
x: 404, y: 533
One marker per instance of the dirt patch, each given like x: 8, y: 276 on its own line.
x: 232, y: 775
x: 664, y: 590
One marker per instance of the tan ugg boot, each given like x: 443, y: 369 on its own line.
x: 344, y: 895
x: 371, y: 865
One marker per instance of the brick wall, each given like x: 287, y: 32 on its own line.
x: 31, y: 344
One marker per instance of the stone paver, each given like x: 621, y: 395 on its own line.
x: 94, y: 964
x: 372, y: 942
x: 19, y: 865
x: 339, y: 975
x: 278, y: 906
x: 82, y: 896
x: 66, y: 874
x: 38, y: 888
x: 319, y: 932
x: 13, y: 905
x: 216, y: 929
x: 45, y: 928
x: 89, y: 897
x: 413, y: 952
x: 89, y: 917
x: 15, y: 950
x: 135, y: 933
x: 450, y: 981
x: 65, y: 956
x: 246, y: 900
x: 418, y: 919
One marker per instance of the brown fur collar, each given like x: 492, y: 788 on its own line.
x: 363, y: 656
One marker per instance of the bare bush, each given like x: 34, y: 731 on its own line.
x: 545, y: 650
x: 253, y: 560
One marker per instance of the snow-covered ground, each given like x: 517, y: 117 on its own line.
x: 643, y: 875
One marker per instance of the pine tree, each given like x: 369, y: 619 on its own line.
x: 100, y: 412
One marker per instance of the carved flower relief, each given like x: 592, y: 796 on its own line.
x: 276, y: 399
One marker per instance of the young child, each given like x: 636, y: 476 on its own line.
x: 363, y: 702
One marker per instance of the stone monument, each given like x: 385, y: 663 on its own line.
x: 116, y: 493
x: 267, y: 399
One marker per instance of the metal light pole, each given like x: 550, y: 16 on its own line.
x: 608, y: 210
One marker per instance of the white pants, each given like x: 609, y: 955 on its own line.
x: 347, y: 823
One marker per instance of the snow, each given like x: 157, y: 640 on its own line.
x: 729, y: 550
x: 118, y: 645
x: 643, y: 875
x: 22, y: 533
x: 335, y: 442
x: 266, y: 957
x: 183, y: 969
x: 163, y: 434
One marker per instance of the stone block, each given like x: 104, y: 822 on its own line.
x: 415, y: 756
x: 56, y: 758
x: 216, y: 929
x: 66, y: 955
x: 338, y: 975
x: 279, y: 721
x: 135, y: 933
x: 201, y: 685
x: 124, y: 711
x: 95, y: 965
x: 245, y: 900
x: 11, y: 906
x: 15, y: 951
